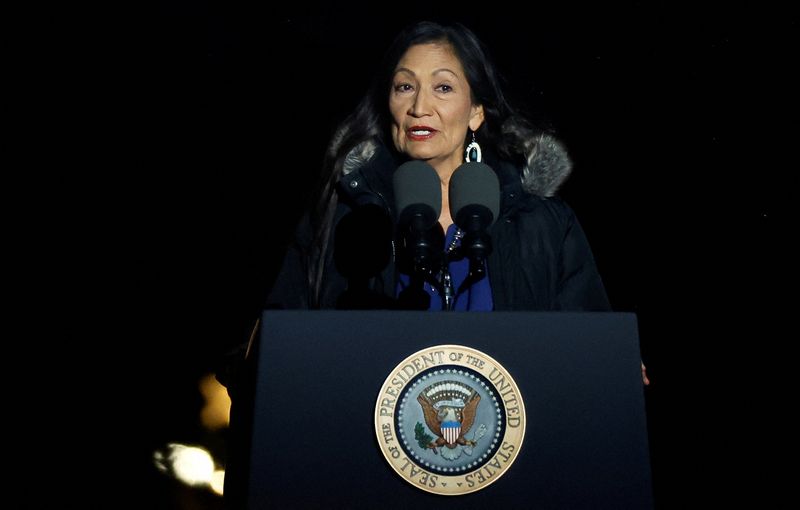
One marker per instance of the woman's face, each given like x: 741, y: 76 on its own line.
x: 431, y: 106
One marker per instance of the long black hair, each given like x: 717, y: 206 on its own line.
x: 504, y: 131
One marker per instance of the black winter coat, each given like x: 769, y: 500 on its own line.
x: 541, y: 259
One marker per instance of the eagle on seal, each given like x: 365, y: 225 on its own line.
x: 449, y: 414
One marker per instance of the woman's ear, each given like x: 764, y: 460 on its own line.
x: 476, y: 119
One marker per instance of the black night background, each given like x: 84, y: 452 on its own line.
x: 666, y: 111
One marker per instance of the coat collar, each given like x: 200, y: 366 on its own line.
x: 368, y: 169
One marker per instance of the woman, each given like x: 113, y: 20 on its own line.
x: 437, y: 94
x: 437, y: 97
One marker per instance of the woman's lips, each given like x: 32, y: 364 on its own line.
x: 419, y: 133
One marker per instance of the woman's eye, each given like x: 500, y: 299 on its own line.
x: 402, y: 87
x: 445, y: 88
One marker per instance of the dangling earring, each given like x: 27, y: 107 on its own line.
x: 473, y: 151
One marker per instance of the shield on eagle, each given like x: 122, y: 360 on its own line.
x: 449, y: 408
x: 450, y: 431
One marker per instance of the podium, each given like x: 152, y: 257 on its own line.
x: 317, y: 380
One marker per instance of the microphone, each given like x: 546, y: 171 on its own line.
x: 418, y: 197
x: 475, y: 203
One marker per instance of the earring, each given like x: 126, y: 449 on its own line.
x: 473, y: 151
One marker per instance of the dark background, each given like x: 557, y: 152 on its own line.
x: 676, y: 118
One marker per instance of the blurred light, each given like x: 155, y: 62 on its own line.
x: 194, y: 465
x: 189, y: 464
x: 218, y: 481
x: 215, y: 414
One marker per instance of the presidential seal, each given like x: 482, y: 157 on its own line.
x: 450, y: 420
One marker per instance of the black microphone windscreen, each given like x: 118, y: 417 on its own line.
x: 417, y: 185
x: 474, y: 183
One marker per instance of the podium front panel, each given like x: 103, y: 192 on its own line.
x: 319, y: 374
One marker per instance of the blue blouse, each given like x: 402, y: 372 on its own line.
x: 477, y: 297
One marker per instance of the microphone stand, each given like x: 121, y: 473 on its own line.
x: 443, y: 283
x: 439, y: 279
x: 429, y: 265
x: 426, y: 265
x: 478, y: 247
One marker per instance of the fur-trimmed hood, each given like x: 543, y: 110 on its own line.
x: 548, y: 164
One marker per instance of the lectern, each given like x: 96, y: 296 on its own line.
x: 317, y: 388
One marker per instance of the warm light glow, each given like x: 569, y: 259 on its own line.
x: 218, y: 481
x: 192, y: 465
x: 189, y: 464
x: 216, y: 412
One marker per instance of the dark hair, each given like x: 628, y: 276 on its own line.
x: 503, y: 131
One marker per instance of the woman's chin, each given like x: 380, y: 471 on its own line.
x: 423, y: 155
